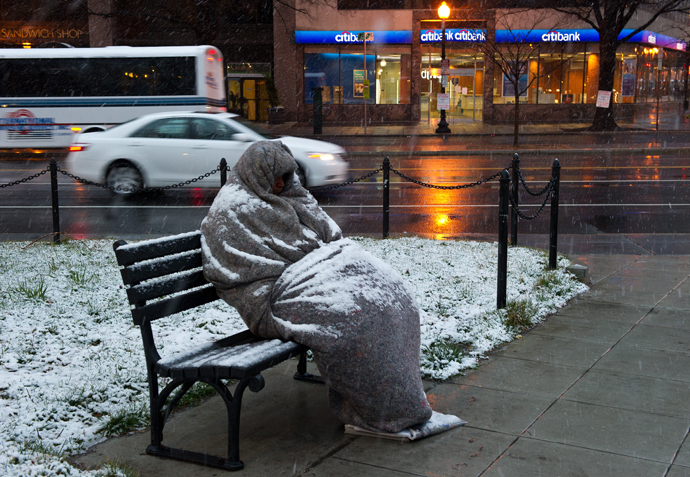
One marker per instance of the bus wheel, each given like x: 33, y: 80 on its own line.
x: 124, y: 178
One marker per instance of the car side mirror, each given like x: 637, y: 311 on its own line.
x: 244, y: 137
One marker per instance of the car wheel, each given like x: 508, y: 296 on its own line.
x: 124, y: 178
x: 301, y: 176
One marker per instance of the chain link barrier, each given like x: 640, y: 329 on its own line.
x: 347, y: 183
x: 26, y: 179
x: 463, y: 186
x: 548, y: 190
x: 529, y: 191
x: 140, y: 189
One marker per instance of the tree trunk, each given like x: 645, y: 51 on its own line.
x: 516, y: 125
x: 603, y: 117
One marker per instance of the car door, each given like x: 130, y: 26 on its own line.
x: 214, y: 140
x: 164, y: 148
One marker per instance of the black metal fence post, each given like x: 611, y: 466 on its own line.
x: 514, y: 189
x: 501, y: 284
x: 386, y: 194
x: 318, y: 110
x: 553, y: 229
x: 223, y: 172
x: 54, y: 200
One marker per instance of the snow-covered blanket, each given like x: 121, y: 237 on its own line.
x: 437, y: 424
x: 282, y: 263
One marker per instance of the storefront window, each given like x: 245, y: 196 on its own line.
x: 626, y: 72
x: 339, y: 70
x: 504, y: 87
x: 572, y: 73
x: 392, y: 75
x: 647, y: 60
x: 562, y: 70
x: 465, y: 82
x: 674, y: 61
x: 592, y: 63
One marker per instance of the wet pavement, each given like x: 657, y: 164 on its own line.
x: 669, y: 121
x: 600, y: 388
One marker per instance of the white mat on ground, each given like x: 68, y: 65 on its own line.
x: 437, y: 424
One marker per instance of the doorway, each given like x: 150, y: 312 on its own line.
x: 248, y: 97
x: 465, y: 82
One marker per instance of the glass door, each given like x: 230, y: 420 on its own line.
x: 465, y: 82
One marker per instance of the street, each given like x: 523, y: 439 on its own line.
x: 602, y: 192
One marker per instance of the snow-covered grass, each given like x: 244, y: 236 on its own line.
x: 71, y: 362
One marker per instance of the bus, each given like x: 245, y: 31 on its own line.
x: 49, y: 95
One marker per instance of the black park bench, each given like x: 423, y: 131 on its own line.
x: 163, y: 277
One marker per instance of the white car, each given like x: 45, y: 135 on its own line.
x: 162, y: 149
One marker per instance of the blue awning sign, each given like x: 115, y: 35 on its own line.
x: 479, y: 35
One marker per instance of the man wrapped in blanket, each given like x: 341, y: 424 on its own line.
x: 274, y: 255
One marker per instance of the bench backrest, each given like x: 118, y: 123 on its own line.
x: 167, y: 270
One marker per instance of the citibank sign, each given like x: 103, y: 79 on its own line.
x: 434, y: 36
x: 346, y: 37
x: 555, y: 35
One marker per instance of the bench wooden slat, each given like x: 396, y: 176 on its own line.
x: 160, y: 268
x: 236, y: 361
x: 127, y: 254
x: 168, y: 286
x: 167, y: 307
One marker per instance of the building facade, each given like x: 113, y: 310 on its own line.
x: 305, y: 44
x: 322, y: 46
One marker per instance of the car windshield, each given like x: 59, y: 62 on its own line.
x: 255, y: 127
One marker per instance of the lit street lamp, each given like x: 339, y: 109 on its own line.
x: 443, y: 13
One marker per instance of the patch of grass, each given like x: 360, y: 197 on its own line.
x: 31, y: 289
x: 113, y: 468
x: 553, y: 282
x: 78, y: 399
x: 80, y: 277
x: 41, y: 448
x: 519, y: 314
x: 442, y: 307
x: 52, y: 267
x: 124, y: 421
x: 439, y: 353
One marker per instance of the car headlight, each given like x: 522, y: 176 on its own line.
x: 323, y: 156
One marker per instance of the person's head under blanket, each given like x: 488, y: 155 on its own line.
x: 267, y: 165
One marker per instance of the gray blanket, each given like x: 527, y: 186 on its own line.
x: 283, y: 264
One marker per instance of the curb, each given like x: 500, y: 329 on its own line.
x: 522, y: 152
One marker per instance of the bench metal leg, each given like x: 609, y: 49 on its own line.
x: 233, y: 404
x: 302, y: 375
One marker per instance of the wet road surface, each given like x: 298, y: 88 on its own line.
x: 623, y: 193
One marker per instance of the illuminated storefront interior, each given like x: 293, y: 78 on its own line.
x: 563, y: 69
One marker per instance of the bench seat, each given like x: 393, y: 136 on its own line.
x: 237, y: 357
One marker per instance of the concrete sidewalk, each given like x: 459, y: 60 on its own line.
x: 643, y: 123
x: 599, y: 389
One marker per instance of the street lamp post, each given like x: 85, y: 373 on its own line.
x: 443, y: 13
